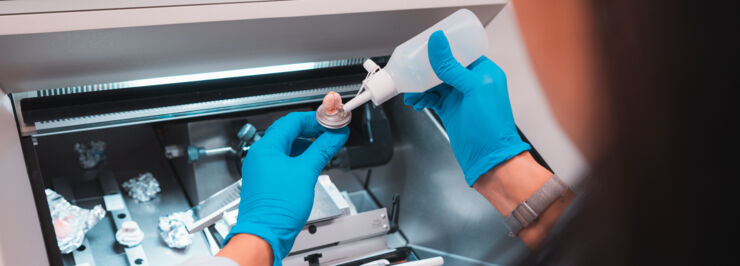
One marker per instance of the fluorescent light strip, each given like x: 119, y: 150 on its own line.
x: 222, y: 74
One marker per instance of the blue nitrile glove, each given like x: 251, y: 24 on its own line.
x: 473, y: 104
x: 278, y: 190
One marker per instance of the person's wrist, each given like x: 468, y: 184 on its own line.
x: 514, y: 181
x: 248, y: 249
x: 266, y: 233
x: 484, y: 165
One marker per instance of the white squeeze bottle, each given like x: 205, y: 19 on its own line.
x: 408, y: 69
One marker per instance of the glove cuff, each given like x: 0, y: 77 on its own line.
x: 266, y: 234
x: 492, y: 160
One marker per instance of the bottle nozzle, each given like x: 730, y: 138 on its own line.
x: 358, y: 100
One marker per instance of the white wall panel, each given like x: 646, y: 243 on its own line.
x: 21, y: 242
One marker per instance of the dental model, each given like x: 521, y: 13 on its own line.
x: 130, y: 235
x: 331, y: 113
x: 332, y: 103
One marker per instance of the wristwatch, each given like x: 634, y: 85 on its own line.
x: 528, y: 211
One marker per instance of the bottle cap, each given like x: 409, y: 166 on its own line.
x: 370, y: 66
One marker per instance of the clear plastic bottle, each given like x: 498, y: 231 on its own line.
x: 409, y: 70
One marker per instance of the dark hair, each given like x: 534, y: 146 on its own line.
x: 654, y: 196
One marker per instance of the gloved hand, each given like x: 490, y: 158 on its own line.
x: 278, y: 190
x: 473, y: 104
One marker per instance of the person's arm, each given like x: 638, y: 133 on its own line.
x: 513, y: 182
x: 473, y: 104
x: 276, y: 200
x: 247, y: 249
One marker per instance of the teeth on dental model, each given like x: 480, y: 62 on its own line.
x: 332, y: 103
x: 331, y: 113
